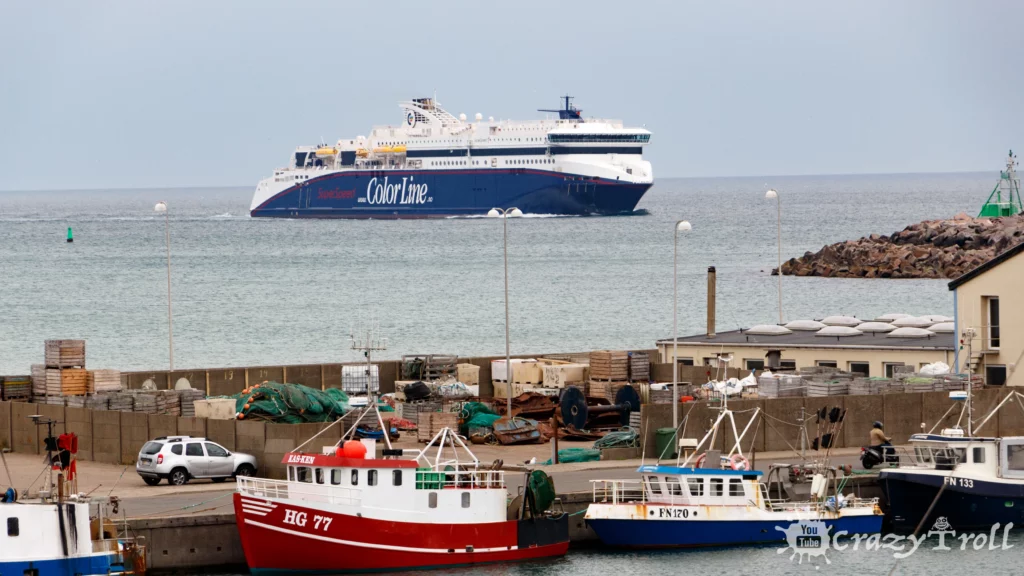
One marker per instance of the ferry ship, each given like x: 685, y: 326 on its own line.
x: 438, y: 165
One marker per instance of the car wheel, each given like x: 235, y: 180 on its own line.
x: 151, y: 481
x: 219, y: 480
x: 179, y: 477
x: 245, y: 470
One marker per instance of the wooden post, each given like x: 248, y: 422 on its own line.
x: 554, y: 440
x: 711, y: 302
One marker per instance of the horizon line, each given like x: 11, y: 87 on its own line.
x: 196, y: 186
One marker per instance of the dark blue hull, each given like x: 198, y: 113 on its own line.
x: 662, y: 534
x: 80, y: 566
x: 443, y: 193
x: 977, y: 506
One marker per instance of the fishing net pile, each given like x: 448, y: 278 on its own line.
x: 290, y: 403
x: 475, y: 415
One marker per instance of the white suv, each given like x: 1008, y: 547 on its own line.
x: 181, y: 458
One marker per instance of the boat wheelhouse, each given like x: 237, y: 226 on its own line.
x: 341, y: 512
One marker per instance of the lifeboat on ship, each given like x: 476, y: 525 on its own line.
x: 343, y: 510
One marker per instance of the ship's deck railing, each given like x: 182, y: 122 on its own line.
x: 466, y: 479
x: 616, y: 491
x: 264, y: 488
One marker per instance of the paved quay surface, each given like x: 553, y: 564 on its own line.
x: 205, y: 497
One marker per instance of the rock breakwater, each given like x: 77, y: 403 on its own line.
x: 929, y: 249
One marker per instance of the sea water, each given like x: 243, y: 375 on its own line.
x: 250, y: 291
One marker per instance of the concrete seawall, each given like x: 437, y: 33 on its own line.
x: 116, y: 437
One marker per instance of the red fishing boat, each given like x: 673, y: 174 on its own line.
x: 344, y: 511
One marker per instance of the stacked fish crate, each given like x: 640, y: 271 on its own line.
x: 98, y: 402
x: 168, y: 402
x: 609, y: 371
x: 62, y: 372
x: 819, y: 388
x: 188, y: 401
x: 430, y: 423
x: 122, y: 402
x: 781, y: 386
x: 145, y: 402
x: 104, y: 381
x: 868, y: 386
x: 639, y: 367
x: 15, y: 387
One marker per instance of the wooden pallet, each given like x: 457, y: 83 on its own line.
x: 430, y: 423
x: 64, y: 353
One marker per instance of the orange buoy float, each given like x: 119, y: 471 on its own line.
x: 353, y: 449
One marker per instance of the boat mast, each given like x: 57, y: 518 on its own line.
x: 370, y: 343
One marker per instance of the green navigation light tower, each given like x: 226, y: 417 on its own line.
x: 1005, y: 197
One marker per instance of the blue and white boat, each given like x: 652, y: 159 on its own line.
x: 971, y: 482
x: 50, y: 538
x: 727, y: 504
x: 435, y: 164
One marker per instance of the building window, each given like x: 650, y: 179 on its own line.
x: 979, y: 455
x: 336, y: 476
x: 992, y: 308
x: 709, y: 361
x: 355, y: 477
x: 995, y: 375
x: 862, y: 368
x: 396, y: 477
x: 717, y: 487
x: 753, y: 363
x: 696, y: 486
x: 371, y: 478
x: 787, y: 364
x: 890, y: 368
x: 735, y: 487
x: 685, y: 361
x: 432, y: 500
x: 465, y: 499
x: 12, y: 527
x: 826, y: 363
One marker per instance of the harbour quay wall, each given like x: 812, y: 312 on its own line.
x: 184, y: 543
x: 232, y: 380
x: 116, y: 437
x: 902, y: 414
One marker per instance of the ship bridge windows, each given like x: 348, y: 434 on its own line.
x: 336, y: 476
x: 695, y: 486
x: 13, y: 529
x: 628, y: 138
x: 304, y: 474
x: 735, y: 487
x: 319, y: 475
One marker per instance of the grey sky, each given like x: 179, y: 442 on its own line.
x: 127, y: 94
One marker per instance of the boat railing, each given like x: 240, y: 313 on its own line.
x: 283, y: 489
x: 615, y: 491
x: 465, y: 479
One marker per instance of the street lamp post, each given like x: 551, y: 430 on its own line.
x: 773, y: 195
x: 505, y: 214
x: 681, y: 226
x: 161, y: 206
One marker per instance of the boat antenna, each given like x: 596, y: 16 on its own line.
x: 368, y: 344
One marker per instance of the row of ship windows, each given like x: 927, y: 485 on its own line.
x: 696, y: 486
x: 318, y: 476
x: 485, y: 163
x: 599, y: 137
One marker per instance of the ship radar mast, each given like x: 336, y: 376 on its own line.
x: 569, y: 112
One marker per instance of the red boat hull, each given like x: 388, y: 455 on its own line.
x: 282, y: 538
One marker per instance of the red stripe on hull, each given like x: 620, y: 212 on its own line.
x: 355, y: 544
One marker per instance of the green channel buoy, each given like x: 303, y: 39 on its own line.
x: 70, y: 237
